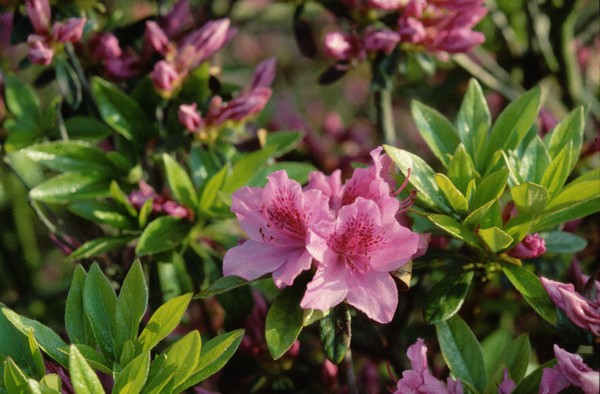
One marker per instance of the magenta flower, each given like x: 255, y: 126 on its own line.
x: 178, y: 19
x: 127, y: 66
x: 507, y: 385
x: 384, y: 40
x: 156, y: 38
x: 530, y: 247
x: 202, y: 43
x: 278, y: 220
x: 581, y: 311
x: 419, y: 379
x: 355, y: 261
x: 104, y: 46
x: 341, y: 46
x: 69, y: 31
x: 164, y: 76
x: 40, y: 51
x: 388, y: 5
x: 264, y: 74
x: 189, y: 117
x: 39, y: 14
x: 242, y: 107
x: 570, y: 370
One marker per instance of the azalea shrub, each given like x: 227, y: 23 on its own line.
x: 306, y: 196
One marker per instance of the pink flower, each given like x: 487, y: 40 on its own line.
x: 419, y: 379
x: 156, y: 38
x: 40, y: 51
x: 178, y: 19
x: 145, y: 192
x: 39, y: 14
x: 341, y: 46
x: 69, y: 31
x: 264, y: 74
x: 570, y: 370
x: 174, y: 209
x: 242, y: 107
x: 189, y: 117
x: 164, y: 76
x: 278, y: 220
x: 384, y: 40
x: 127, y: 66
x: 530, y: 247
x: 356, y: 259
x: 582, y: 312
x: 388, y: 5
x: 105, y: 46
x: 202, y: 43
x: 507, y: 385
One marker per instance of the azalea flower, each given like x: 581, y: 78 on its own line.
x: 570, y: 370
x: 530, y: 247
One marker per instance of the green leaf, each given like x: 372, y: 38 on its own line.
x: 215, y: 354
x: 163, y: 321
x: 584, y: 187
x: 36, y: 356
x: 515, y: 357
x: 296, y: 171
x: 461, y: 170
x: 246, y: 167
x: 83, y: 377
x: 495, y: 238
x: 284, y: 321
x: 184, y: 355
x: 121, y: 112
x: 51, y: 382
x: 87, y: 128
x: 473, y: 121
x: 569, y: 130
x: 101, y: 212
x: 455, y: 198
x: 208, y: 198
x: 133, y: 377
x: 179, y: 182
x: 131, y: 305
x: 436, y: 130
x: 447, y: 296
x: 92, y: 356
x: 13, y: 344
x: 490, y: 188
x: 566, y: 213
x: 519, y: 226
x: 283, y: 141
x: 15, y: 379
x: 21, y: 100
x: 529, y: 197
x: 557, y: 173
x: 493, y: 345
x: 534, y: 161
x: 487, y: 215
x: 312, y: 315
x: 462, y: 351
x: 454, y: 228
x: 162, y: 234
x: 71, y: 186
x: 69, y: 156
x: 529, y: 285
x: 99, y: 246
x: 563, y: 242
x: 421, y: 177
x: 99, y: 302
x: 531, y: 383
x: 335, y: 333
x: 160, y: 377
x: 145, y: 212
x: 48, y: 340
x: 68, y: 83
x: 121, y: 199
x: 512, y: 125
x: 222, y: 285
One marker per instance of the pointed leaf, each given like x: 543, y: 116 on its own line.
x: 163, y: 321
x: 534, y: 161
x: 453, y: 196
x: 563, y: 242
x: 83, y: 377
x: 102, y: 212
x: 495, y: 239
x: 284, y: 321
x: 131, y: 305
x: 529, y: 197
x: 179, y: 182
x: 461, y: 170
x: 222, y: 285
x: 491, y: 187
x: 446, y: 297
x: 184, y: 355
x: 99, y: 246
x: 160, y: 376
x: 335, y: 333
x: 15, y: 379
x: 531, y: 383
x: 487, y: 215
x: 515, y: 357
x: 473, y: 120
x: 69, y: 156
x: 162, y: 234
x: 283, y: 141
x: 133, y: 377
x: 557, y: 173
x: 454, y: 228
x: 72, y: 186
x: 569, y: 130
x: 245, y: 168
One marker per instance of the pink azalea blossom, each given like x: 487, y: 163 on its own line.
x: 189, y: 117
x: 419, y: 379
x: 356, y: 259
x: 39, y: 14
x: 530, y: 247
x: 68, y: 31
x: 570, y: 370
x: 581, y: 311
x: 278, y: 220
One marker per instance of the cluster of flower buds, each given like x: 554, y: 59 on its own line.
x: 160, y: 204
x: 47, y: 36
x: 349, y: 232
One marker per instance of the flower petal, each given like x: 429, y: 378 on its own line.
x: 327, y: 289
x: 297, y: 261
x: 375, y: 294
x: 252, y: 260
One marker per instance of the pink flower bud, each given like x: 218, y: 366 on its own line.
x: 244, y: 106
x: 339, y: 46
x: 264, y: 74
x: 412, y: 30
x: 178, y: 19
x: 69, y: 31
x: 105, y: 46
x: 40, y: 51
x: 156, y: 38
x: 530, y: 247
x: 388, y: 5
x: 171, y: 208
x: 39, y: 15
x: 202, y: 43
x: 124, y: 67
x: 189, y: 117
x: 384, y: 40
x: 164, y: 76
x: 458, y: 40
x: 507, y: 385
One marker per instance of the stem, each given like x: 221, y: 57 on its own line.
x: 385, y: 119
x: 348, y: 368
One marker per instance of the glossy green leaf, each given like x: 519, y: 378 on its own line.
x: 208, y: 198
x: 179, y: 182
x: 284, y: 321
x: 447, y: 296
x: 512, y: 125
x: 335, y: 333
x: 21, y: 100
x: 162, y: 234
x: 515, y: 357
x: 185, y: 356
x: 121, y: 112
x: 215, y: 354
x: 563, y: 242
x: 283, y: 141
x: 133, y: 377
x: 131, y: 306
x: 94, y: 358
x: 83, y: 377
x: 68, y: 83
x: 36, y: 356
x: 493, y: 345
x: 557, y: 173
x: 436, y: 130
x: 163, y: 321
x: 421, y: 177
x: 312, y: 315
x: 529, y: 197
x: 99, y: 246
x: 566, y: 213
x: 495, y: 238
x: 99, y: 302
x: 453, y: 196
x: 160, y: 376
x: 490, y: 188
x: 569, y: 130
x: 69, y: 156
x: 87, y: 128
x: 534, y: 161
x: 145, y: 212
x: 246, y: 167
x: 584, y: 187
x: 121, y: 199
x: 487, y: 215
x: 46, y: 338
x: 295, y: 170
x: 462, y: 351
x: 52, y: 383
x: 529, y: 285
x: 461, y: 169
x: 13, y: 344
x: 102, y: 212
x: 15, y: 379
x: 519, y: 226
x: 473, y: 121
x: 454, y: 228
x: 222, y: 285
x: 71, y: 186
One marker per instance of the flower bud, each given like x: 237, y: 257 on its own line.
x: 264, y: 74
x: 39, y: 15
x: 178, y: 19
x: 124, y: 67
x: 164, y: 76
x: 202, y: 43
x: 156, y: 38
x: 171, y: 208
x: 105, y: 46
x: 384, y: 40
x: 69, y: 31
x: 339, y: 46
x: 189, y: 117
x: 388, y: 5
x: 530, y: 247
x: 39, y: 50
